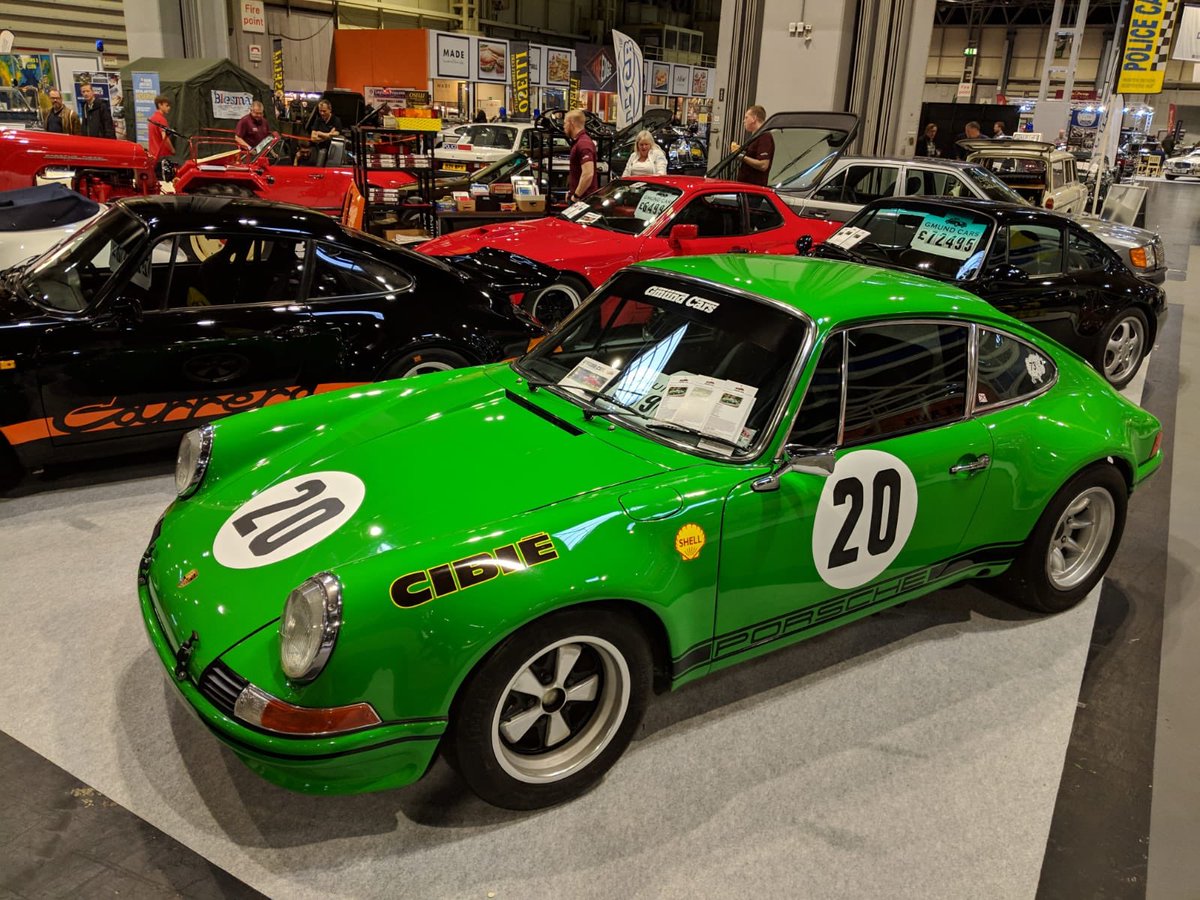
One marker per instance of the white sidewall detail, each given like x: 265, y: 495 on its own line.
x: 831, y: 518
x: 234, y: 550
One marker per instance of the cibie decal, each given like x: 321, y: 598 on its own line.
x: 689, y: 541
x: 447, y: 578
x: 288, y: 518
x: 864, y: 517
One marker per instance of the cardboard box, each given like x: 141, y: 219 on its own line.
x: 405, y: 235
x: 464, y: 202
x: 508, y: 207
x: 532, y: 204
x: 502, y: 189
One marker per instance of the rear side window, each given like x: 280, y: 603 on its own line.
x: 1084, y: 254
x: 763, y: 214
x: 1009, y: 369
x: 338, y: 272
x: 903, y: 377
x: 1035, y: 249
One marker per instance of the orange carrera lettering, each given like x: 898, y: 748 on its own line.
x: 444, y: 579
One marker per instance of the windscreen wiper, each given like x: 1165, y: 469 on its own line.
x: 591, y: 410
x: 687, y: 429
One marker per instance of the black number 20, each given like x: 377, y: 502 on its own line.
x: 885, y: 489
x: 300, y: 522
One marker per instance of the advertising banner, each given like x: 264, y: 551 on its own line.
x: 631, y: 79
x: 573, y: 91
x: 492, y: 60
x: 1146, y: 43
x: 660, y: 78
x: 452, y: 56
x: 145, y: 89
x: 558, y: 67
x: 597, y: 68
x: 277, y: 64
x: 521, y: 108
x: 681, y: 80
x: 230, y: 104
x: 1187, y: 45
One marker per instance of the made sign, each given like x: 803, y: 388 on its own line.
x: 1147, y: 43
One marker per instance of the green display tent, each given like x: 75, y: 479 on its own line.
x: 190, y: 84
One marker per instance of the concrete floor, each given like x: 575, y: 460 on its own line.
x: 919, y: 754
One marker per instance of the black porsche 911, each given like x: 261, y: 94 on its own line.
x: 166, y: 312
x: 1033, y: 264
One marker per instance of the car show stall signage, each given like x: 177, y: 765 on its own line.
x: 521, y: 80
x: 277, y: 64
x: 231, y: 104
x: 254, y: 19
x: 145, y: 89
x: 1145, y: 48
x: 631, y: 79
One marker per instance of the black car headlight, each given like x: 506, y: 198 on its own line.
x: 192, y: 462
x: 312, y: 618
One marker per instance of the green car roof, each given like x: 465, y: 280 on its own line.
x: 828, y: 290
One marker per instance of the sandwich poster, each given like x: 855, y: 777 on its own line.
x: 492, y: 60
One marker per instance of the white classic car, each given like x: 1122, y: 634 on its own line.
x: 1186, y: 166
x: 32, y: 220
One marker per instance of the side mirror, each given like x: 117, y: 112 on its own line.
x: 796, y: 458
x: 804, y: 244
x: 681, y: 233
x: 124, y: 311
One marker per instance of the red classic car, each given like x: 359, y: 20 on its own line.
x: 636, y: 219
x: 269, y: 171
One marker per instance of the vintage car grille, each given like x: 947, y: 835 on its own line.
x: 220, y: 685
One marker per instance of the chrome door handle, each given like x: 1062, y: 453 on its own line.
x: 978, y: 466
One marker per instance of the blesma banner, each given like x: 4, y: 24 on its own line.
x: 631, y: 80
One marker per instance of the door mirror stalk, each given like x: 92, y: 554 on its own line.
x: 797, y: 458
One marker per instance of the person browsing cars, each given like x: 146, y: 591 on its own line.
x: 59, y: 117
x: 759, y: 150
x: 647, y: 158
x: 581, y: 171
x: 252, y: 128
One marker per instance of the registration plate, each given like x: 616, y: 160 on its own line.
x: 454, y: 167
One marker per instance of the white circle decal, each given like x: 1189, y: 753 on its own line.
x: 864, y: 517
x: 285, y: 519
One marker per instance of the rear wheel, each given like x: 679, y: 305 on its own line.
x: 554, y: 303
x: 422, y: 362
x: 1070, y: 548
x: 552, y: 709
x: 1172, y: 177
x: 1122, y: 347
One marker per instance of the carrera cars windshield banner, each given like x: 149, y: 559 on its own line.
x: 1145, y: 47
x: 631, y: 80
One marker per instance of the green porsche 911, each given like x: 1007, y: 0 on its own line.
x: 712, y: 458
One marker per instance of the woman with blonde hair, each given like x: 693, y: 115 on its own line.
x: 647, y: 157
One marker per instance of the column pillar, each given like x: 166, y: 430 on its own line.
x: 153, y: 28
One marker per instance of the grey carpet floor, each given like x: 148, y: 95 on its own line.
x: 917, y: 754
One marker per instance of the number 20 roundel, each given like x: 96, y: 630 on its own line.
x: 288, y: 518
x: 864, y: 517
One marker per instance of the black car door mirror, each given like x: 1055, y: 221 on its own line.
x: 124, y: 311
x: 804, y: 244
x: 1006, y: 273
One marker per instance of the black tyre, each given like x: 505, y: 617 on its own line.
x: 422, y: 362
x: 10, y: 467
x: 1172, y: 177
x: 555, y: 302
x: 1070, y: 548
x: 551, y: 709
x: 1122, y: 346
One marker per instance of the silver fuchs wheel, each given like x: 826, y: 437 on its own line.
x: 551, y: 708
x: 1123, y: 347
x: 1080, y: 539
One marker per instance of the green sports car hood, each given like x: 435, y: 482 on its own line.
x: 437, y: 458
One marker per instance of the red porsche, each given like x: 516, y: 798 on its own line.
x: 636, y: 219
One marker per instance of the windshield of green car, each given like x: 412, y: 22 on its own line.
x: 993, y: 188
x: 946, y: 243
x: 69, y: 276
x: 630, y: 207
x: 687, y: 363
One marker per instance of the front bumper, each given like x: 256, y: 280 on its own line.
x: 390, y: 755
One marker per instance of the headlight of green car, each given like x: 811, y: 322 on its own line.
x: 309, y: 628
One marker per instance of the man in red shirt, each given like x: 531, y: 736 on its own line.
x: 759, y: 150
x: 252, y: 127
x: 161, y: 146
x: 581, y: 170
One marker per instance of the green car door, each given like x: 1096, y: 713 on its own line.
x: 822, y: 549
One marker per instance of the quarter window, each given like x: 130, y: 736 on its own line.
x: 763, y: 214
x: 1035, y: 249
x: 1084, y: 254
x: 904, y: 377
x: 817, y: 422
x: 860, y: 185
x: 338, y: 272
x: 1008, y: 369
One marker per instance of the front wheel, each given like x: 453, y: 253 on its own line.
x: 1172, y: 177
x: 552, y: 709
x: 554, y: 303
x: 1122, y: 347
x: 422, y: 362
x: 1070, y: 548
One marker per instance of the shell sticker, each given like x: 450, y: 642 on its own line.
x: 689, y: 541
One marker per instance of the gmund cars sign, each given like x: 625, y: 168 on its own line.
x: 1147, y: 43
